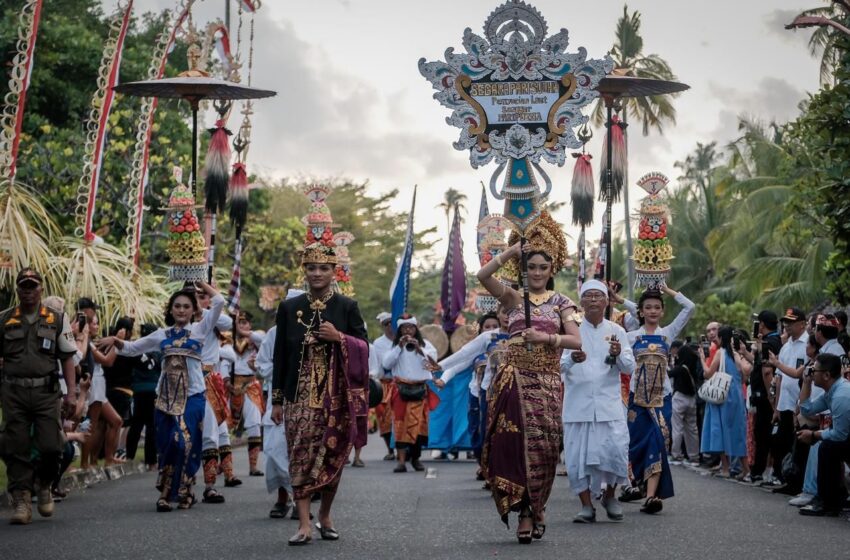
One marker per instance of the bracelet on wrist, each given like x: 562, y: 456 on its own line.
x: 499, y: 259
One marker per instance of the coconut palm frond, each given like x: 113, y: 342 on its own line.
x: 26, y: 230
x: 149, y: 298
x: 96, y: 270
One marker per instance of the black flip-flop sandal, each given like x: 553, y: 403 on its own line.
x: 162, y: 505
x: 211, y: 496
x: 279, y: 511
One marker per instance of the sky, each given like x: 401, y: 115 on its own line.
x: 352, y: 103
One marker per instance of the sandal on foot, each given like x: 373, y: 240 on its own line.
x: 300, y: 539
x: 279, y: 511
x: 327, y: 533
x: 524, y: 537
x: 652, y: 505
x: 187, y: 502
x: 256, y: 472
x: 162, y: 505
x: 211, y: 496
x: 232, y: 483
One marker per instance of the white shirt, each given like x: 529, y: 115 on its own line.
x: 409, y: 366
x: 380, y: 347
x: 465, y: 357
x: 592, y: 388
x: 226, y: 360
x: 212, y: 345
x: 670, y: 332
x: 265, y: 366
x: 790, y: 354
x: 199, y: 331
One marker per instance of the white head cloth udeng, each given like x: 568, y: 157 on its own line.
x: 383, y: 316
x: 410, y: 321
x: 293, y: 293
x: 588, y: 285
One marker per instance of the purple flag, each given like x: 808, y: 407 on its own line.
x: 453, y: 289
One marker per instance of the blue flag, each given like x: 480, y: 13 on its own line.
x: 400, y: 287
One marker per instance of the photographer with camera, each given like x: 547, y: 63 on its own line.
x: 412, y: 361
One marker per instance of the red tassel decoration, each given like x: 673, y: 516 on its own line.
x: 217, y: 168
x: 239, y: 196
x: 582, y: 190
x: 618, y: 167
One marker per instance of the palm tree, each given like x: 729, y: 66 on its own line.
x: 652, y: 112
x: 823, y: 41
x: 453, y: 200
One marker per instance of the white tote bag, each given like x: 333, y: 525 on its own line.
x: 716, y: 389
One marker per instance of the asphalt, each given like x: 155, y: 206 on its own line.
x: 382, y: 515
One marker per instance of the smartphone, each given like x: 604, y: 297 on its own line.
x: 765, y: 352
x: 81, y: 320
x: 616, y: 287
x: 756, y: 329
x: 800, y: 362
x: 706, y: 347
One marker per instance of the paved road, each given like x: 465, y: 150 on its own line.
x: 389, y: 516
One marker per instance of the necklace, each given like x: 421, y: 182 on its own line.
x: 321, y: 303
x: 540, y: 299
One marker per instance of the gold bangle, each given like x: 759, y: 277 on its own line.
x: 498, y: 260
x: 557, y: 340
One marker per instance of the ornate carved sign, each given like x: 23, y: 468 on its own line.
x: 516, y: 94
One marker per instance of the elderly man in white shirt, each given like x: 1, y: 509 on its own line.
x: 381, y: 346
x: 596, y: 435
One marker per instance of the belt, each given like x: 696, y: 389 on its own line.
x: 29, y: 381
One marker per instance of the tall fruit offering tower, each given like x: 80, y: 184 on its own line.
x: 653, y: 252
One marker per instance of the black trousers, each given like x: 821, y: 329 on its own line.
x: 143, y: 417
x: 762, y: 427
x: 831, y: 458
x: 782, y: 441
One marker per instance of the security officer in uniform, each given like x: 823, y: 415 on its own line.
x: 35, y: 341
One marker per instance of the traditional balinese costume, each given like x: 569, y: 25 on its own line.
x: 383, y: 411
x: 649, y: 431
x: 474, y: 355
x: 596, y: 436
x: 246, y: 400
x: 321, y: 385
x: 412, y: 399
x: 180, y: 399
x: 217, y: 452
x: 524, y: 433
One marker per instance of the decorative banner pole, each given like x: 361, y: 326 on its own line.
x: 517, y: 95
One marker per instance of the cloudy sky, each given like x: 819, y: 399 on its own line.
x: 351, y: 102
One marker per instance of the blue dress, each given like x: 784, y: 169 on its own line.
x: 724, y: 428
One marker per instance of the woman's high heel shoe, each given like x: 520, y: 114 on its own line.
x: 524, y: 537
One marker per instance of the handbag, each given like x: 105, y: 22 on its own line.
x: 716, y: 389
x: 411, y: 392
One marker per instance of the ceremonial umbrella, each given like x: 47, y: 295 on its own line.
x: 193, y: 86
x: 612, y: 88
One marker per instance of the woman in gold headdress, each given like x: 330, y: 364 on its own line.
x: 524, y: 430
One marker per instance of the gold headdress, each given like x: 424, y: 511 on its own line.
x: 545, y: 235
x: 318, y: 253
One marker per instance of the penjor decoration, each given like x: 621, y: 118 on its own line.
x: 653, y: 252
x: 516, y: 95
x: 186, y: 248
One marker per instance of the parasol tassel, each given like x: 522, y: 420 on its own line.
x: 239, y: 196
x: 618, y: 167
x: 216, y: 168
x: 582, y: 190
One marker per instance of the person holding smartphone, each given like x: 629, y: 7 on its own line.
x: 790, y: 360
x: 766, y: 340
